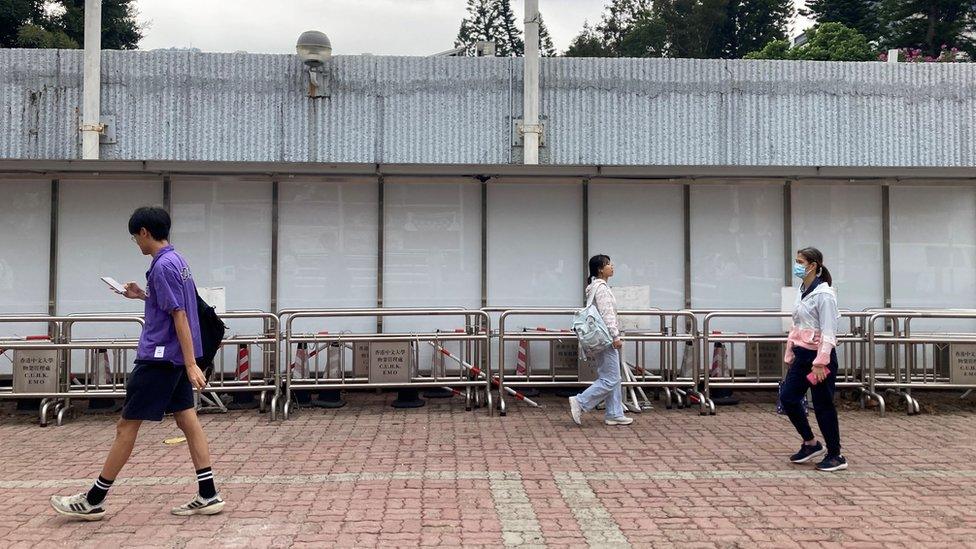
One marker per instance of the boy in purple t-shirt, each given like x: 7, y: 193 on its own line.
x: 165, y: 374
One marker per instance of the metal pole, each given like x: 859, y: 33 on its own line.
x: 52, y: 282
x: 686, y: 220
x: 274, y: 244
x: 380, y: 228
x: 530, y: 95
x: 788, y: 234
x: 91, y: 127
x: 886, y: 242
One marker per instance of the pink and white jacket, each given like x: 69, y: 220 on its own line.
x: 815, y: 319
x: 606, y: 303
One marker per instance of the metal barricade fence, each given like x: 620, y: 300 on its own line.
x: 902, y: 347
x: 398, y: 350
x: 240, y: 378
x: 95, y: 381
x: 851, y: 374
x: 636, y: 375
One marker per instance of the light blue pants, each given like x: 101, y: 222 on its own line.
x: 606, y: 386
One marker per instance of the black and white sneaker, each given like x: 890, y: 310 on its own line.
x: 832, y: 463
x: 200, y: 506
x: 808, y: 453
x: 77, y: 506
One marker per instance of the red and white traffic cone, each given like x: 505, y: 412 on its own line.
x: 300, y: 367
x: 242, y: 400
x: 243, y: 363
x: 330, y: 398
x: 522, y: 365
x: 522, y: 360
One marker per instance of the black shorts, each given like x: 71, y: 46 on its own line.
x: 156, y: 388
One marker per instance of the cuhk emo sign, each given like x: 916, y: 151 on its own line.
x: 35, y: 371
x: 390, y: 362
x: 963, y: 360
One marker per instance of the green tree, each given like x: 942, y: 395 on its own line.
x: 120, y: 30
x: 828, y: 42
x: 546, y: 47
x: 480, y: 24
x: 509, y: 41
x: 928, y: 25
x: 860, y: 15
x: 36, y: 36
x: 61, y: 24
x: 692, y: 28
x: 619, y: 19
x: 588, y: 43
x: 751, y: 24
x: 494, y: 21
x: 14, y: 14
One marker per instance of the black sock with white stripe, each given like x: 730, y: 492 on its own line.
x: 206, y: 481
x: 98, y: 491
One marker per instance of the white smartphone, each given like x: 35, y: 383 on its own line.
x: 112, y: 283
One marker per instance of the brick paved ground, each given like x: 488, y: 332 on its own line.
x: 369, y: 475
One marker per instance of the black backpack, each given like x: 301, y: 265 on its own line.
x: 212, y: 331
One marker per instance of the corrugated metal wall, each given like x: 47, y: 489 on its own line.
x: 177, y: 105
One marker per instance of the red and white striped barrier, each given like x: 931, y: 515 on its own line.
x: 522, y: 360
x: 243, y: 372
x: 3, y: 351
x: 481, y: 375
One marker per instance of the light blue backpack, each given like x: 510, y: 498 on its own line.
x: 594, y: 336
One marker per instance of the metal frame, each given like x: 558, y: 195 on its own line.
x: 707, y: 406
x: 897, y: 343
x: 668, y: 380
x: 60, y: 327
x: 270, y: 342
x: 474, y: 319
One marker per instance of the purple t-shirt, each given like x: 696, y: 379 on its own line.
x: 169, y: 287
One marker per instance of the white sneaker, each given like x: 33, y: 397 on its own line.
x: 200, y: 506
x: 622, y: 420
x: 575, y: 410
x: 77, y: 506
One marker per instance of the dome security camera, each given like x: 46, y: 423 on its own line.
x: 314, y: 48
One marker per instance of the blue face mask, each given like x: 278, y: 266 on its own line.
x: 799, y: 271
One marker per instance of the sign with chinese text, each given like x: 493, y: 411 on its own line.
x: 766, y: 356
x: 360, y: 359
x: 36, y: 371
x: 963, y: 359
x: 564, y: 355
x: 389, y: 362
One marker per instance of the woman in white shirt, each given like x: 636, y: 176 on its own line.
x: 813, y: 362
x: 607, y: 385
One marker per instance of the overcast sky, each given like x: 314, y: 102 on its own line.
x: 381, y: 27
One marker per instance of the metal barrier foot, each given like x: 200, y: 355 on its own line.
x: 45, y: 406
x: 61, y: 409
x: 667, y: 398
x: 911, y: 403
x: 868, y: 395
x: 274, y: 408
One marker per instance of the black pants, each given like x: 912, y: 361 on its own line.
x: 795, y: 386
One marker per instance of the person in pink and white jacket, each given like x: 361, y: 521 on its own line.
x: 813, y: 362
